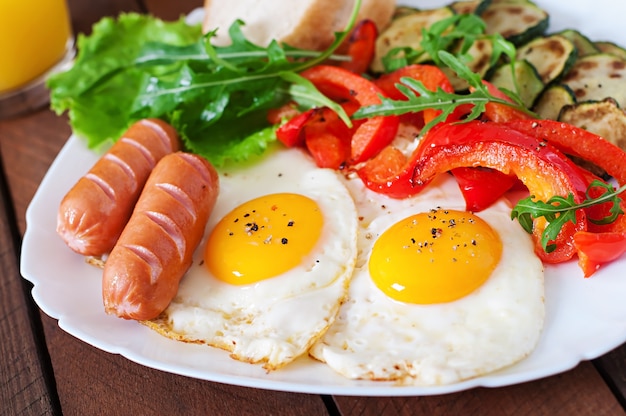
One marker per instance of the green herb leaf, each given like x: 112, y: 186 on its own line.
x: 447, y: 43
x: 305, y: 94
x: 447, y: 33
x: 438, y: 100
x: 559, y: 210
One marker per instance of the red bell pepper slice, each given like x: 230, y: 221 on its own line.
x: 327, y: 139
x: 391, y: 173
x: 290, y: 133
x: 601, y: 243
x: 541, y: 168
x: 481, y: 187
x: 339, y: 84
x: 431, y: 76
x: 578, y: 142
x: 595, y: 249
x: 361, y: 47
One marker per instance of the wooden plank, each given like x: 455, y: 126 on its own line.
x: 108, y: 384
x: 612, y: 367
x: 169, y: 10
x: 29, y: 145
x: 26, y: 385
x: 577, y: 392
x: 86, y: 13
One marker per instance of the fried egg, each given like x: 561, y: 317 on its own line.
x: 275, y: 265
x: 438, y: 295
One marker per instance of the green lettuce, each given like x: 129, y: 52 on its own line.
x: 99, y: 90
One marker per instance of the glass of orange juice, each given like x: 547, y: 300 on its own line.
x: 35, y: 40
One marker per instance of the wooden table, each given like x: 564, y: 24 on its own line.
x: 43, y: 370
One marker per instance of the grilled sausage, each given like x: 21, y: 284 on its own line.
x: 142, y: 273
x: 94, y: 212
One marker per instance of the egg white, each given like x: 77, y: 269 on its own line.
x: 378, y: 338
x: 275, y: 320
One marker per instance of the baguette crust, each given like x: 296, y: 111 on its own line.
x: 309, y: 24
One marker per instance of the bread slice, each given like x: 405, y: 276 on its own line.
x: 305, y: 24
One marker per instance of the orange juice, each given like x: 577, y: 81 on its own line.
x: 34, y: 36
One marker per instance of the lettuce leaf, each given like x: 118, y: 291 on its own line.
x: 99, y: 90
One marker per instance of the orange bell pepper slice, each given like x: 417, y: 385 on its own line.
x: 578, y: 142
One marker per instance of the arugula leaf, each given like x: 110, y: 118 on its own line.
x: 446, y: 43
x: 444, y: 34
x: 455, y: 34
x: 439, y: 100
x: 559, y: 210
x: 306, y: 95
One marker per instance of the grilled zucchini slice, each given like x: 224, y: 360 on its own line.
x: 599, y: 76
x: 524, y: 77
x: 583, y: 45
x: 517, y: 21
x: 610, y: 48
x: 552, y: 56
x: 401, y: 11
x: 406, y: 31
x: 552, y: 100
x: 479, y: 63
x: 470, y: 6
x: 604, y: 118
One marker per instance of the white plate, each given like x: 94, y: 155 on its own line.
x: 585, y: 318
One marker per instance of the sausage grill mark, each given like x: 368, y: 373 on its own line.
x: 180, y: 196
x: 166, y: 141
x: 142, y: 149
x: 171, y: 229
x: 102, y: 184
x: 197, y: 165
x: 151, y: 259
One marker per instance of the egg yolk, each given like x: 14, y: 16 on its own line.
x: 263, y: 238
x: 434, y: 257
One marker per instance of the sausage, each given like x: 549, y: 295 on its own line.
x: 93, y: 213
x: 142, y: 272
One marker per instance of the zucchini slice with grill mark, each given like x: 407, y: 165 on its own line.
x: 552, y: 56
x: 470, y: 6
x: 517, y: 21
x: 610, y: 48
x: 401, y: 11
x: 406, y: 31
x: 479, y: 63
x: 526, y: 77
x: 599, y: 76
x: 552, y: 100
x: 583, y: 45
x: 604, y: 118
